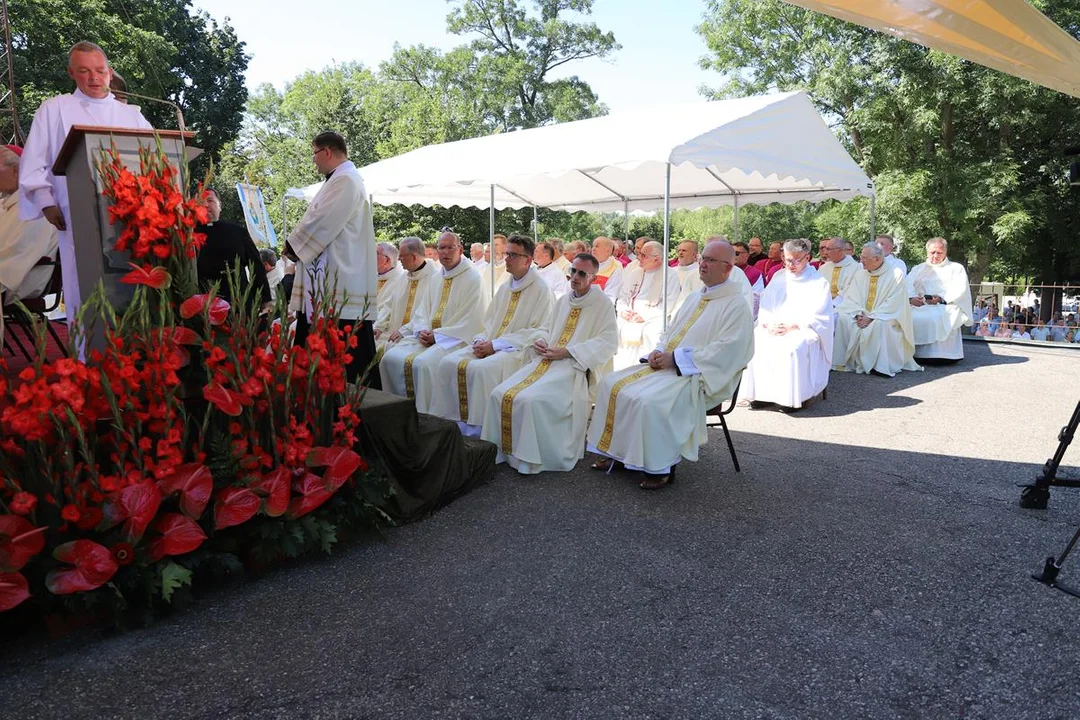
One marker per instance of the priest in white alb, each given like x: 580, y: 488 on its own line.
x: 448, y: 318
x: 839, y: 268
x: 390, y: 277
x: 494, y: 272
x: 940, y: 299
x: 793, y: 340
x: 640, y: 308
x: 420, y: 274
x: 687, y: 272
x: 549, y: 270
x: 873, y: 323
x: 650, y: 417
x: 517, y: 317
x: 889, y: 246
x: 42, y: 194
x: 537, y: 416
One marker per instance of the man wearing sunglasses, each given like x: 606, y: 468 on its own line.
x: 517, y: 317
x: 537, y: 416
x: 650, y: 417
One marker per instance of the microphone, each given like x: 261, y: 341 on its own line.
x: 170, y: 103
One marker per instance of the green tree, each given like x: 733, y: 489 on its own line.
x: 161, y: 47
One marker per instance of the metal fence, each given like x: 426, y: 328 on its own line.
x: 1041, y: 313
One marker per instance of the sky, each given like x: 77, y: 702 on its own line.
x: 657, y: 65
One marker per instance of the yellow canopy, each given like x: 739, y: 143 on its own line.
x: 1007, y: 35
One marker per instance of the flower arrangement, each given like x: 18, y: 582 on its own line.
x: 198, y: 433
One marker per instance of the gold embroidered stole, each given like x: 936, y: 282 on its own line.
x: 436, y: 323
x: 462, y: 373
x: 871, y: 295
x: 834, y: 284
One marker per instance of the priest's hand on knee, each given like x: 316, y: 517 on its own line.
x: 55, y: 217
x: 661, y: 360
x: 916, y: 301
x: 554, y: 353
x: 426, y: 338
x: 394, y: 336
x: 483, y: 348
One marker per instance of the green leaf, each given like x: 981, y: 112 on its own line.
x: 173, y: 577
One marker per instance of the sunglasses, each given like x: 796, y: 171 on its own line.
x: 574, y: 272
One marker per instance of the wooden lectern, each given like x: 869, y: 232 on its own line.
x: 94, y: 236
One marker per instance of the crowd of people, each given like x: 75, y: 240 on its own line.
x: 1023, y: 323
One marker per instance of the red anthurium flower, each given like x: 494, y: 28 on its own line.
x: 229, y: 402
x: 123, y: 553
x: 140, y: 504
x: 13, y: 590
x: 234, y: 506
x: 179, y: 534
x: 194, y: 305
x: 341, y: 464
x: 276, y: 485
x: 185, y: 336
x: 154, y: 277
x: 194, y: 483
x: 313, y: 493
x: 19, y: 541
x: 93, y: 567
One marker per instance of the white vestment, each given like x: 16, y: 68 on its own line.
x: 453, y: 309
x: 643, y: 293
x: 839, y: 276
x: 335, y: 240
x: 897, y: 262
x: 537, y: 416
x: 501, y: 277
x: 610, y: 278
x: 408, y: 297
x: 937, y: 327
x: 650, y: 419
x: 689, y: 283
x: 387, y: 286
x: 39, y: 188
x: 22, y: 244
x: 792, y: 368
x: 517, y: 317
x: 563, y: 263
x: 887, y: 344
x: 555, y: 277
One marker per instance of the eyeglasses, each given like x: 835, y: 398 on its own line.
x: 516, y: 255
x: 741, y: 252
x: 319, y: 150
x: 796, y: 261
x: 574, y: 272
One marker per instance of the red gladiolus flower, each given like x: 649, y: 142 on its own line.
x: 194, y: 305
x: 23, y: 503
x: 123, y: 553
x: 179, y: 535
x: 93, y: 567
x: 19, y: 541
x: 13, y: 590
x: 154, y: 277
x: 70, y: 513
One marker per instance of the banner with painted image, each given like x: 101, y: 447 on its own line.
x: 258, y: 222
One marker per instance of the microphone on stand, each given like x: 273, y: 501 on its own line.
x: 170, y: 103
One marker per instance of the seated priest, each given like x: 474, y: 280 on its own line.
x: 560, y: 259
x: 390, y: 277
x: 229, y: 246
x: 839, y: 269
x: 889, y: 246
x: 610, y: 276
x: 640, y: 307
x: 517, y: 317
x: 940, y: 299
x: 448, y: 316
x: 686, y: 269
x: 394, y: 320
x: 22, y: 243
x: 537, y: 416
x: 495, y: 273
x: 650, y: 417
x: 549, y: 270
x: 793, y: 341
x: 873, y: 323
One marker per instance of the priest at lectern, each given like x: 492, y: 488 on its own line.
x: 43, y: 194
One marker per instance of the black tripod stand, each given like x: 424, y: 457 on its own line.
x: 1036, y: 496
x: 1053, y: 567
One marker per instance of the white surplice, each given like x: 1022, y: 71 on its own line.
x: 387, y: 286
x: 649, y: 419
x: 501, y: 276
x: 887, y: 344
x: 39, y: 188
x: 643, y: 293
x: 840, y: 276
x: 937, y: 327
x: 555, y: 277
x: 537, y: 416
x: 409, y: 297
x: 610, y: 278
x: 22, y: 245
x: 454, y: 309
x: 792, y: 368
x: 518, y: 316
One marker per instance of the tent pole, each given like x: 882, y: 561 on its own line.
x: 626, y: 221
x: 735, y: 222
x: 667, y: 236
x: 284, y: 219
x: 535, y: 229
x: 873, y: 235
x: 491, y: 238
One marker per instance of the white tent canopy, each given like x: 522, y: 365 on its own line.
x: 772, y: 148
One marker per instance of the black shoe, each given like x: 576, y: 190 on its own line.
x: 758, y: 404
x: 655, y: 482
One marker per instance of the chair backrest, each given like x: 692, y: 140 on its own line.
x: 54, y: 287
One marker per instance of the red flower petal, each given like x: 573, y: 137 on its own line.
x: 13, y: 590
x: 194, y: 483
x: 140, y: 504
x: 185, y: 336
x: 276, y: 484
x: 179, y: 535
x: 234, y: 506
x: 19, y: 541
x: 192, y: 306
x: 93, y: 567
x: 155, y: 277
x: 313, y: 493
x: 341, y: 464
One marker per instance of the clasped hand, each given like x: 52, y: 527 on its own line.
x: 661, y: 360
x: 426, y: 338
x: 863, y: 321
x: 483, y: 348
x: 550, y: 353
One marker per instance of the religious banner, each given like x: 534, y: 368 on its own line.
x: 258, y: 222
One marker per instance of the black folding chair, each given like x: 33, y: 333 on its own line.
x: 37, y: 306
x: 720, y: 413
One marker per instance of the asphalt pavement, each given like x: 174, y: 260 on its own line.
x: 869, y: 561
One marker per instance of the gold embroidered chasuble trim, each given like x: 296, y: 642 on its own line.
x: 871, y: 296
x: 834, y: 284
x: 609, y: 421
x: 436, y: 323
x: 538, y: 372
x: 409, y: 303
x: 462, y: 376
